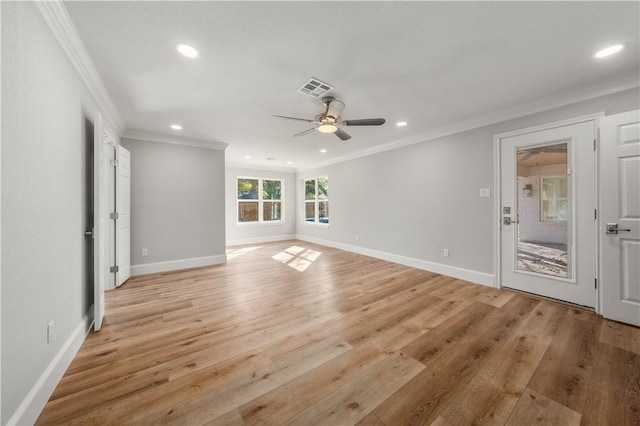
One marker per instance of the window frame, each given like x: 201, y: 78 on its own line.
x: 261, y: 201
x: 542, y: 192
x: 316, y: 201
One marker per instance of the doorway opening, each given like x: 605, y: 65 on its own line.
x: 89, y: 195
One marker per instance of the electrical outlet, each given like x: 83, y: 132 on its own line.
x: 145, y: 252
x: 50, y: 332
x: 445, y: 252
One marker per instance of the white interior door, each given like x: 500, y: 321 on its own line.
x: 123, y: 207
x: 620, y: 206
x: 547, y: 195
x: 100, y: 170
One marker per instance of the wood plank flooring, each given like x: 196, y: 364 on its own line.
x: 300, y: 334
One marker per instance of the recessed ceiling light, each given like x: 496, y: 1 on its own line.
x: 323, y: 151
x: 176, y: 127
x: 188, y: 51
x: 289, y: 162
x: 401, y: 123
x: 609, y: 50
x: 247, y: 157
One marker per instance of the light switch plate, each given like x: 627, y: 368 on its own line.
x: 485, y: 192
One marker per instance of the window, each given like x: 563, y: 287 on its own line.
x: 554, y: 204
x: 316, y: 200
x: 259, y: 200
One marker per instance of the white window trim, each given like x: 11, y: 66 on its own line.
x: 260, y: 201
x: 552, y: 221
x: 316, y: 201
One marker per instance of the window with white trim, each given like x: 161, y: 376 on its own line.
x: 260, y: 200
x: 554, y: 204
x: 316, y: 200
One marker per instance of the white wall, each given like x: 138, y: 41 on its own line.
x: 410, y: 203
x: 46, y: 120
x: 254, y: 233
x: 177, y: 206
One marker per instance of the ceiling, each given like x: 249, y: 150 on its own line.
x: 543, y: 156
x: 432, y: 64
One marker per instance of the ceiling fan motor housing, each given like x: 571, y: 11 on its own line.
x: 334, y: 107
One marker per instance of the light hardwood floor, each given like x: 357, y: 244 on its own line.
x: 297, y: 333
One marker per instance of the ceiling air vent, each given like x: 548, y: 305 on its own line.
x: 314, y: 87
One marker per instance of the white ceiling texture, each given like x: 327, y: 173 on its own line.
x: 439, y: 66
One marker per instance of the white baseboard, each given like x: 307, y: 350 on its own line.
x: 174, y: 265
x: 452, y: 271
x: 33, y: 404
x: 260, y: 240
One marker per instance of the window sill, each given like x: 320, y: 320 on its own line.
x: 271, y: 222
x: 315, y: 224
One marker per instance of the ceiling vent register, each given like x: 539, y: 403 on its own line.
x: 314, y: 87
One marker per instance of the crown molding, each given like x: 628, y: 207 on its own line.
x: 528, y: 108
x: 65, y: 32
x: 264, y: 167
x: 141, y: 135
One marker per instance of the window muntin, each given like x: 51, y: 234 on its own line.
x: 259, y: 200
x: 316, y: 200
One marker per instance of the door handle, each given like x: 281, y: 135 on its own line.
x: 88, y: 234
x: 612, y: 228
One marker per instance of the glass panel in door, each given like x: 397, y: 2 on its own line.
x: 543, y: 211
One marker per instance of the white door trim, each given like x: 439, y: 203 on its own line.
x: 497, y: 203
x: 99, y: 213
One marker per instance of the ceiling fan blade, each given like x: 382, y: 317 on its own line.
x: 294, y: 118
x: 304, y: 132
x: 342, y: 134
x: 364, y: 122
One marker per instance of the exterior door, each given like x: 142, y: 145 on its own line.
x: 547, y: 196
x: 123, y: 207
x: 620, y: 217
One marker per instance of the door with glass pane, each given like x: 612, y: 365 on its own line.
x: 547, y: 194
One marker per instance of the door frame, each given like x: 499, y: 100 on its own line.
x: 98, y: 231
x: 497, y: 203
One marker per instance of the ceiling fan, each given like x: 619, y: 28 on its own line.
x: 330, y: 120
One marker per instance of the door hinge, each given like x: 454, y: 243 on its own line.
x: 595, y: 145
x: 114, y: 216
x: 595, y: 283
x: 113, y: 163
x: 595, y: 214
x: 114, y: 269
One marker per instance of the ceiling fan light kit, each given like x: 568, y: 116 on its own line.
x: 330, y: 120
x: 327, y: 128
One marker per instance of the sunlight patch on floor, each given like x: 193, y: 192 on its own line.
x: 296, y: 257
x: 233, y: 253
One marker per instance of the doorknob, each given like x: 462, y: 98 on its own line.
x: 88, y: 234
x: 612, y: 228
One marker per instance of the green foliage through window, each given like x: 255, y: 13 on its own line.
x: 266, y: 196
